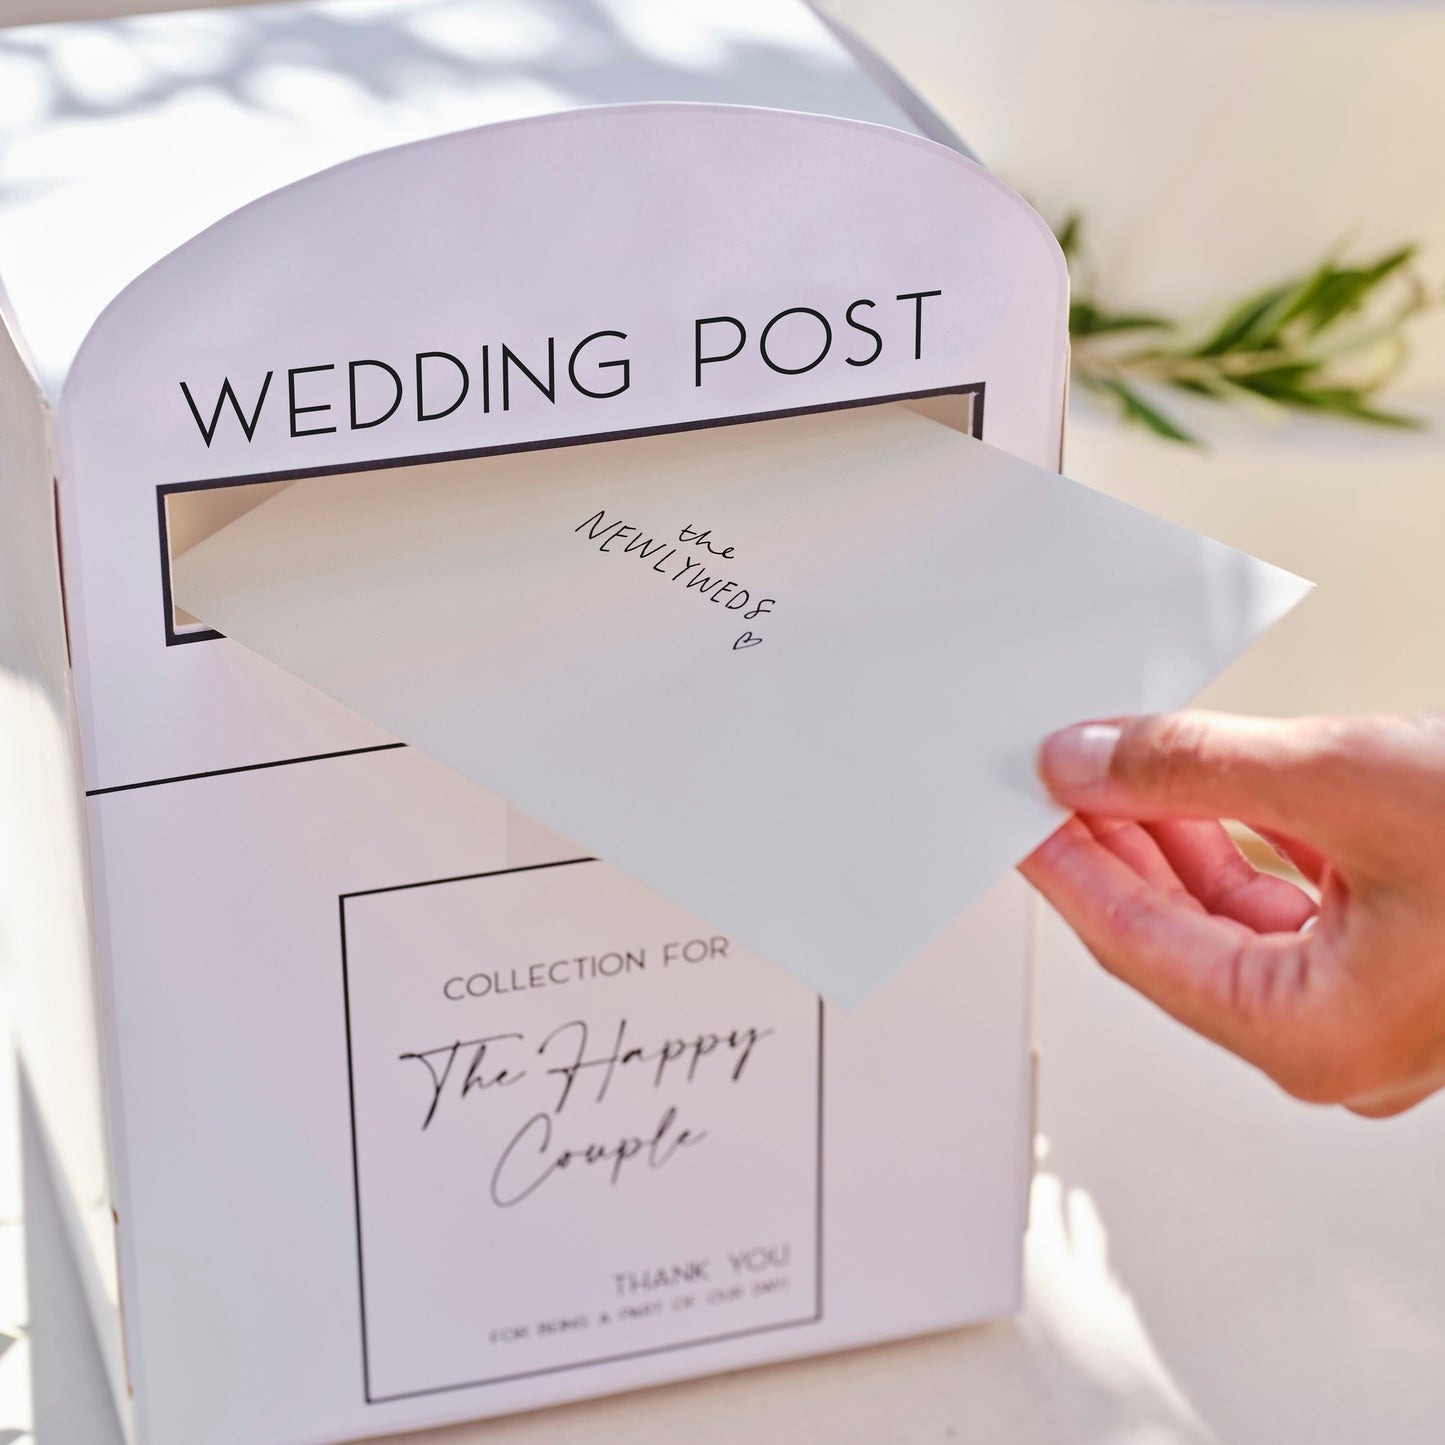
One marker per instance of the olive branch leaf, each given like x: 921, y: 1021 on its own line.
x: 1326, y: 342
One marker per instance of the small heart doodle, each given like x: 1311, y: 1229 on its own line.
x: 748, y: 639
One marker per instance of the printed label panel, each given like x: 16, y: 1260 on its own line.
x: 586, y: 1127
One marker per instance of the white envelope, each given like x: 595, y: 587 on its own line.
x: 829, y: 770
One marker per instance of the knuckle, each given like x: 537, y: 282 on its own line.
x: 1410, y: 748
x: 1310, y: 1078
x: 1126, y: 919
x: 1340, y: 1072
x: 1379, y: 779
x: 1343, y: 747
x: 1305, y: 1090
x: 1227, y: 880
x: 1310, y: 1083
x: 1166, y: 755
x: 1389, y: 1110
x: 1426, y: 732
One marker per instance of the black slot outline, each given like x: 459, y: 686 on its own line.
x: 207, y: 634
x: 813, y: 1319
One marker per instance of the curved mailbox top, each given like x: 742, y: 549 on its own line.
x: 596, y: 272
x: 121, y: 139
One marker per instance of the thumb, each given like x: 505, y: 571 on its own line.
x: 1294, y: 777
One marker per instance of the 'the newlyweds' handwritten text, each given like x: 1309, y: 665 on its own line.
x: 691, y: 560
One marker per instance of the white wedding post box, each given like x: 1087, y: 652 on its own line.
x: 337, y: 1054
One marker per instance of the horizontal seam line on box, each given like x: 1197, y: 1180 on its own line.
x: 242, y: 768
x: 465, y: 877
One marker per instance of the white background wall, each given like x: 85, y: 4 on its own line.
x: 1215, y: 146
x: 1212, y: 144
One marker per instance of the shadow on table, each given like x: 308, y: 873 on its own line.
x: 1283, y: 1263
x: 1075, y: 1367
x: 1208, y: 1262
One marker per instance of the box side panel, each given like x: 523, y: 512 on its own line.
x: 45, y: 950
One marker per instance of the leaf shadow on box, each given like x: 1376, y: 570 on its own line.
x: 585, y: 57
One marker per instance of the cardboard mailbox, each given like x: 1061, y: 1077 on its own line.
x: 313, y: 1196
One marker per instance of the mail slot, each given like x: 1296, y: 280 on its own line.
x: 326, y: 1094
x: 188, y: 513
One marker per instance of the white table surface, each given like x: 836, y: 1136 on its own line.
x: 1207, y: 1261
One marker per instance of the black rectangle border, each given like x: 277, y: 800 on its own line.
x: 177, y: 639
x: 818, y: 1211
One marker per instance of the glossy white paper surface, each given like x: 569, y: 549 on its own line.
x: 830, y: 778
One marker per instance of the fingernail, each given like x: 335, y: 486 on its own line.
x: 1078, y: 758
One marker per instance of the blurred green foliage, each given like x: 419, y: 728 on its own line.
x: 1326, y: 342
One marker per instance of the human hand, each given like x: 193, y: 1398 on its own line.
x: 1340, y: 1001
